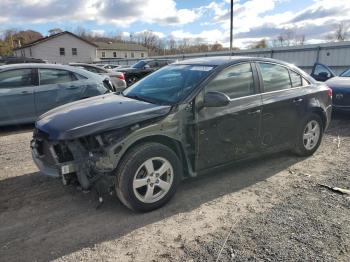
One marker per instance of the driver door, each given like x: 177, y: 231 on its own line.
x: 225, y: 134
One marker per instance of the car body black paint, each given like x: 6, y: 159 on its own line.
x: 207, y: 137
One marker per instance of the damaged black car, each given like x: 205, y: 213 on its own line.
x: 181, y: 121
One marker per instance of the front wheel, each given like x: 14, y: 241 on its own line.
x: 147, y: 177
x: 309, y: 136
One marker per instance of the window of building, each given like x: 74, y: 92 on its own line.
x: 55, y: 76
x: 142, y: 55
x: 132, y: 55
x: 30, y: 52
x: 103, y: 54
x: 16, y: 78
x: 114, y: 54
x: 275, y: 77
x: 74, y: 51
x: 23, y: 52
x: 235, y: 81
x: 62, y: 51
x: 126, y: 55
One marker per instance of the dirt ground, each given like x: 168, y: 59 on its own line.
x: 270, y: 209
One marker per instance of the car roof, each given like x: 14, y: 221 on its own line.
x: 222, y: 60
x: 54, y: 66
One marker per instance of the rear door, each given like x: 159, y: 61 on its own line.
x: 56, y: 87
x: 284, y: 104
x: 229, y: 133
x: 17, y: 96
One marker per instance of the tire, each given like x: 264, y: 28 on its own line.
x: 141, y: 188
x: 307, y: 146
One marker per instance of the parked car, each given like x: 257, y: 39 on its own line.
x: 109, y: 66
x: 117, y: 78
x: 19, y: 60
x: 29, y: 90
x: 321, y: 72
x: 143, y: 68
x: 340, y: 86
x: 181, y: 121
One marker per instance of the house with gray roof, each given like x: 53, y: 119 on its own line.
x: 66, y: 47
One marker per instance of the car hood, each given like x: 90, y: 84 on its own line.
x: 95, y: 115
x: 339, y: 82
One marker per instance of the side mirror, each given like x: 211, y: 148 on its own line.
x: 215, y: 99
x: 146, y: 67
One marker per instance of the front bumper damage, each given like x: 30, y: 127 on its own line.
x: 80, y: 159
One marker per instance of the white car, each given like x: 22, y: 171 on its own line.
x: 117, y: 78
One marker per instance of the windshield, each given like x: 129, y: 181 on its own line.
x: 169, y: 84
x: 346, y: 73
x: 139, y: 64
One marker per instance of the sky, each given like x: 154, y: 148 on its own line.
x: 207, y: 20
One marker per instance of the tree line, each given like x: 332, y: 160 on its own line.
x: 12, y: 38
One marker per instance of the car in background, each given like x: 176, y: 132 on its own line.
x: 29, y: 90
x: 321, y: 72
x: 181, y: 121
x: 340, y: 86
x: 19, y: 60
x: 109, y: 66
x: 117, y: 78
x: 142, y: 68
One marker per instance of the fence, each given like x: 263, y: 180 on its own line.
x: 335, y: 55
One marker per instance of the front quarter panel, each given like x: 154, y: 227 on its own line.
x: 172, y: 127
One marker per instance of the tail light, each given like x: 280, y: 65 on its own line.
x: 330, y: 92
x: 121, y: 77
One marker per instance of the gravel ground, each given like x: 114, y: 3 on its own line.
x: 269, y: 209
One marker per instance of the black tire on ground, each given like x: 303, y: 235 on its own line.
x: 300, y: 148
x: 130, y: 164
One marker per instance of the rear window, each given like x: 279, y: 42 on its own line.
x: 296, y: 79
x: 275, y: 77
x: 55, y: 76
x: 16, y: 78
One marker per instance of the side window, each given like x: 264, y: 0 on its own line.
x: 100, y: 71
x: 16, y: 78
x: 90, y: 68
x: 275, y: 77
x: 79, y: 76
x: 322, y: 71
x: 55, y: 76
x: 235, y: 81
x: 153, y: 64
x: 296, y: 79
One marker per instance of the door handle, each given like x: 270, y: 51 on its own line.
x: 255, y: 112
x: 25, y: 92
x: 297, y: 100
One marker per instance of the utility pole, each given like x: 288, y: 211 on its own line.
x: 231, y: 28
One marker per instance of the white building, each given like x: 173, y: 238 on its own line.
x: 66, y: 47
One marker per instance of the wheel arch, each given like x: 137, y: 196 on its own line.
x: 322, y: 114
x: 175, y: 145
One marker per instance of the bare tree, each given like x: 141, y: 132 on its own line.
x: 341, y: 32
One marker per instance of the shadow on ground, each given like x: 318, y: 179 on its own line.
x: 45, y: 220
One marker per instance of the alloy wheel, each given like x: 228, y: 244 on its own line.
x: 311, y: 134
x: 153, y: 180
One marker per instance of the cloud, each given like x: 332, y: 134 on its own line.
x: 122, y: 13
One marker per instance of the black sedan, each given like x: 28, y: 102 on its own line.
x: 142, y: 68
x: 183, y: 120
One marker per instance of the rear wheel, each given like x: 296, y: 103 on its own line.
x: 309, y: 136
x: 147, y: 177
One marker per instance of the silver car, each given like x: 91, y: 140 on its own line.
x: 29, y: 90
x: 117, y: 78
